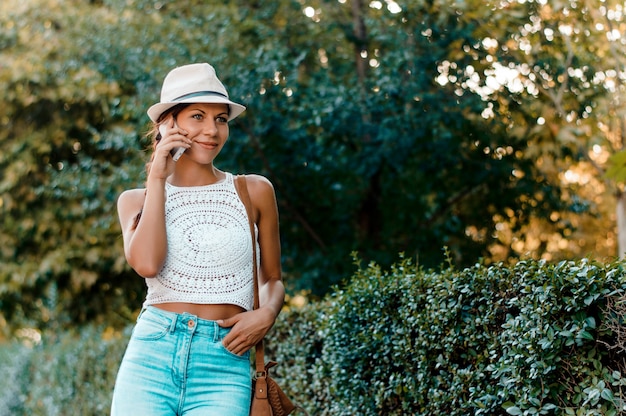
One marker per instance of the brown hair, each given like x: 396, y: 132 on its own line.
x: 156, y: 138
x: 154, y: 131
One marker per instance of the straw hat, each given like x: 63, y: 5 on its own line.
x: 195, y: 83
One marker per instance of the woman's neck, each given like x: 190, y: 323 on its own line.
x: 196, y: 176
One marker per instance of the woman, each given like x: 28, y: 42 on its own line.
x: 187, y: 234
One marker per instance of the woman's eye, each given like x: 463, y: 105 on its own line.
x: 222, y: 120
x: 198, y: 116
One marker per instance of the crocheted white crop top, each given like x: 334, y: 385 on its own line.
x: 209, y: 250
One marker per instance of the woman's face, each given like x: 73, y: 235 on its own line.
x: 207, y: 126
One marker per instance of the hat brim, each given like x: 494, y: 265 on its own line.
x: 155, y: 111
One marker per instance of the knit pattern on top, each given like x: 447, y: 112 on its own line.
x: 209, y: 250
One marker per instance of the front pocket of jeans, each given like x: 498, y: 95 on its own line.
x: 148, y: 330
x: 245, y: 356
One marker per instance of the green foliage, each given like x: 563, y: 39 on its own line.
x: 617, y: 170
x: 373, y: 125
x: 68, y: 374
x: 14, y: 360
x: 296, y: 342
x: 62, y: 140
x: 530, y: 339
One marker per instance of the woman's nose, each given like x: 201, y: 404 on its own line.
x: 210, y: 128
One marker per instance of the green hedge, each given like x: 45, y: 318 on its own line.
x: 534, y: 338
x: 65, y: 374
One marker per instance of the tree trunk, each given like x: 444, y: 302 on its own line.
x: 369, y: 212
x: 360, y: 36
x: 621, y: 225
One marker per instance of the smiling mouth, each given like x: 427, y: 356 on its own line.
x: 207, y: 145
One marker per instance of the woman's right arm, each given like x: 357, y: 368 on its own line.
x: 145, y: 241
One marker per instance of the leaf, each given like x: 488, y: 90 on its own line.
x: 607, y: 394
x: 511, y: 409
x: 617, y: 169
x: 586, y: 335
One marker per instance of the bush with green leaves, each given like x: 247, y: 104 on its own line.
x: 70, y: 373
x: 534, y: 338
x: 529, y: 339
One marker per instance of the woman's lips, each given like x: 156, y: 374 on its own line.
x: 207, y: 145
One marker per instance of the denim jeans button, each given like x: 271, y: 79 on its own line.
x: 191, y: 323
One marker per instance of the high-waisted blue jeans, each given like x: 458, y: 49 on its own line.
x: 175, y: 364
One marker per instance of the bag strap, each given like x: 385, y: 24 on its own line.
x: 262, y: 370
x: 241, y: 186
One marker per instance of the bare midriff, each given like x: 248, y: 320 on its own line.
x: 208, y: 312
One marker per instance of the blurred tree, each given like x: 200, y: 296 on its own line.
x: 556, y: 81
x: 64, y: 135
x: 385, y: 126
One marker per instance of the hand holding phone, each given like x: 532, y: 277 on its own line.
x: 177, y: 151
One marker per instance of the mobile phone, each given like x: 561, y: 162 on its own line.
x: 177, y: 151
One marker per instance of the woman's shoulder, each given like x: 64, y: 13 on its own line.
x: 254, y: 179
x: 131, y: 198
x: 259, y: 184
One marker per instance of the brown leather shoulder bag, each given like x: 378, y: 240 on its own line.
x: 267, y: 397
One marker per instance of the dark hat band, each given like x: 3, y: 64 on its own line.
x: 199, y: 94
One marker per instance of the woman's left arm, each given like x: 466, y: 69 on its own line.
x: 250, y: 327
x: 271, y: 289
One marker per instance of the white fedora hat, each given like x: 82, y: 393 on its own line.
x: 195, y: 83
